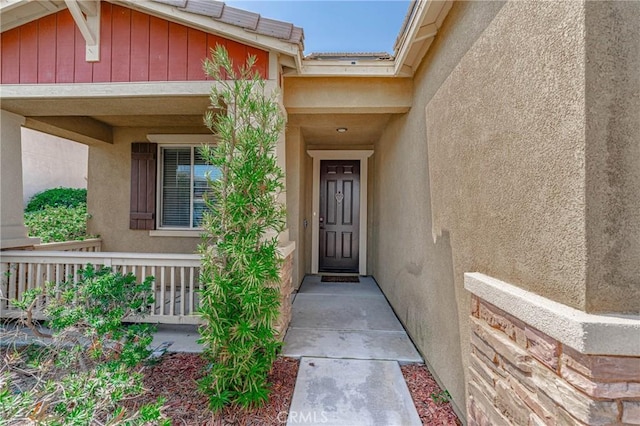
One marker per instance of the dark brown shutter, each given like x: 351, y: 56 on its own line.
x: 143, y: 185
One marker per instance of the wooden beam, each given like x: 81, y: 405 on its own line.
x: 89, y: 8
x: 86, y: 15
x: 85, y: 130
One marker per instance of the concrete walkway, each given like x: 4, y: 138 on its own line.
x: 351, y: 343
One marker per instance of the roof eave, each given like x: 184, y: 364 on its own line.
x: 209, y: 25
x: 421, y: 26
x: 40, y: 9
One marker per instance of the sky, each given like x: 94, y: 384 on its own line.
x: 337, y: 25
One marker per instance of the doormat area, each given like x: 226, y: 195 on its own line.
x: 339, y: 279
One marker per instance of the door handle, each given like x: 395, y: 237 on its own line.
x: 321, y: 222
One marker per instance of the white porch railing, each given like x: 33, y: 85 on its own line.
x: 175, y: 285
x: 88, y: 245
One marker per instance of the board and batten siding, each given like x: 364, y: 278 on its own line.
x: 133, y: 47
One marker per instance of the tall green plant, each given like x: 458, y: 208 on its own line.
x: 240, y: 262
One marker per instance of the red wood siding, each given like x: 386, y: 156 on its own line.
x: 133, y: 47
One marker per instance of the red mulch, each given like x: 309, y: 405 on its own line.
x: 422, y: 386
x: 174, y: 378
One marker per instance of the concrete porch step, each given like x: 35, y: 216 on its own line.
x: 354, y: 344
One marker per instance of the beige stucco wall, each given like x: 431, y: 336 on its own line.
x: 506, y: 151
x: 108, y: 193
x: 613, y: 156
x: 520, y: 159
x: 50, y: 162
x: 296, y: 199
x: 499, y: 118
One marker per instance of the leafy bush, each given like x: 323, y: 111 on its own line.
x: 81, y: 373
x: 53, y: 224
x: 240, y: 264
x: 57, y: 197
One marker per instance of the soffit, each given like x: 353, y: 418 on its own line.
x: 14, y: 13
x: 320, y: 129
x: 318, y: 106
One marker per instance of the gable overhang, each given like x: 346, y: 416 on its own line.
x: 422, y: 24
x: 205, y: 23
x: 15, y: 13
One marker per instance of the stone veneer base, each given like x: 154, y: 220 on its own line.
x: 586, y: 333
x: 532, y: 361
x: 286, y: 288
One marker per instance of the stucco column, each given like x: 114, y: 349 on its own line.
x: 13, y: 233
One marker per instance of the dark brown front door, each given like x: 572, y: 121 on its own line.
x: 339, y: 215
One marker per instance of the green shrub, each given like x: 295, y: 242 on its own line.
x: 240, y: 264
x: 57, y: 197
x: 81, y: 374
x: 54, y: 224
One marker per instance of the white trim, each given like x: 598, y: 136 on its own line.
x: 360, y: 68
x: 182, y: 139
x: 167, y: 232
x: 318, y: 156
x: 587, y: 333
x: 106, y: 90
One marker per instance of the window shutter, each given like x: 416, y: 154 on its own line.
x: 143, y: 185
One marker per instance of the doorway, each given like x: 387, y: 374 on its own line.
x: 339, y: 220
x: 344, y: 248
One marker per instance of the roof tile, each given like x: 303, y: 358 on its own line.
x: 177, y: 3
x: 219, y: 11
x: 278, y: 29
x: 240, y: 18
x: 212, y: 9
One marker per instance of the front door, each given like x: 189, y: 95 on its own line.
x: 339, y: 215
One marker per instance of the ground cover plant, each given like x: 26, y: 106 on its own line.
x: 58, y: 214
x: 57, y: 224
x: 240, y: 262
x: 81, y: 371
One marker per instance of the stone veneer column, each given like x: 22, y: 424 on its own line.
x: 13, y: 233
x: 286, y: 288
x: 537, y: 362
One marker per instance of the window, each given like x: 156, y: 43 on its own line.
x: 183, y: 185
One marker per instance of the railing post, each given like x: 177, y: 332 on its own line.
x: 4, y: 286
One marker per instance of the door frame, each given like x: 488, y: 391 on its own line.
x: 318, y: 156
